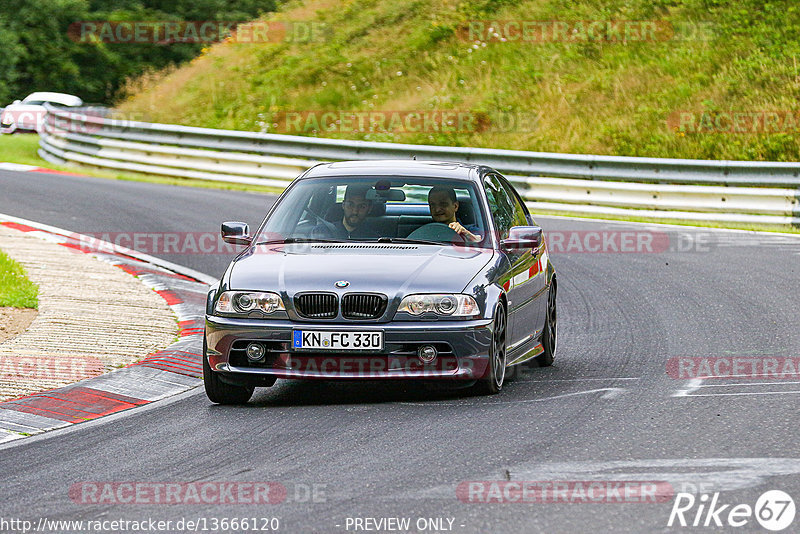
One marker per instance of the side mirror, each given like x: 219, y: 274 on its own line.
x: 236, y: 233
x: 523, y: 237
x: 16, y: 102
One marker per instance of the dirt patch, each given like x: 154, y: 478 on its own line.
x: 14, y: 321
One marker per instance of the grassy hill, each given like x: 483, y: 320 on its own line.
x: 604, y: 94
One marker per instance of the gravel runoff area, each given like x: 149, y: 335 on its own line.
x: 13, y: 321
x: 93, y: 317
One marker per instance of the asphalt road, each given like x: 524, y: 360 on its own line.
x: 607, y: 411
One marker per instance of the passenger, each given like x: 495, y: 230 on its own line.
x: 356, y: 207
x: 444, y: 206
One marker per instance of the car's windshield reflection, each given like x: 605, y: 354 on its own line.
x: 358, y: 209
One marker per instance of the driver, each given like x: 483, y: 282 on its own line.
x: 443, y: 205
x: 356, y: 207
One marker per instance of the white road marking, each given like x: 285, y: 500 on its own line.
x: 745, y: 393
x: 578, y: 379
x: 775, y: 383
x: 6, y: 435
x: 758, y: 375
x: 696, y: 384
x: 609, y: 393
x: 692, y: 385
x: 19, y: 167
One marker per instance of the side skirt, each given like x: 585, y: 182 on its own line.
x: 530, y: 354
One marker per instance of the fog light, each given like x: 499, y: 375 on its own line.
x: 255, y: 352
x: 426, y: 354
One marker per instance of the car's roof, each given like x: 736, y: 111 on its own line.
x: 397, y: 167
x: 58, y: 98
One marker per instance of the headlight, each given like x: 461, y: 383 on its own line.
x: 442, y: 304
x: 245, y: 302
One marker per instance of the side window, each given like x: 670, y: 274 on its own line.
x: 501, y: 206
x: 318, y: 203
x: 520, y: 211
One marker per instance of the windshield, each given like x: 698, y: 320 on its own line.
x: 395, y: 209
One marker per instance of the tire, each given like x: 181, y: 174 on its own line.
x: 550, y: 334
x: 218, y: 391
x: 492, y: 382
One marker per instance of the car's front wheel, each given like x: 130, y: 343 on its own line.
x: 218, y: 391
x: 492, y: 381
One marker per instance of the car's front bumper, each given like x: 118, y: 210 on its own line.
x: 463, y: 350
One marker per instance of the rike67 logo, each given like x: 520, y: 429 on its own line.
x: 774, y: 510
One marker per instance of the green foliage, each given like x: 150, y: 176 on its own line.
x: 39, y: 54
x: 718, y: 56
x: 16, y: 290
x: 9, y: 44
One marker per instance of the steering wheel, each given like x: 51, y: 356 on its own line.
x: 436, y: 231
x: 329, y: 227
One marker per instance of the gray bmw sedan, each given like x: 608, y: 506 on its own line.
x: 394, y: 269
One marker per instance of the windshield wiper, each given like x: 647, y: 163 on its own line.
x: 289, y: 240
x: 407, y: 240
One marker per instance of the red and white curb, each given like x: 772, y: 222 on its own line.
x: 21, y: 167
x: 164, y: 373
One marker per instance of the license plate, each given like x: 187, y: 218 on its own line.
x: 320, y: 340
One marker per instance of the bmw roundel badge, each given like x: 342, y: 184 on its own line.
x: 342, y: 283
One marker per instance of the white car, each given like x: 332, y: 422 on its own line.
x: 28, y: 115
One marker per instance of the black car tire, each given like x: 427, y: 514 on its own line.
x: 492, y: 381
x: 550, y: 334
x: 218, y: 391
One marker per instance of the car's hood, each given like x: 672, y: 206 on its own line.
x: 391, y: 269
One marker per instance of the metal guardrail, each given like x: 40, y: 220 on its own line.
x: 702, y: 190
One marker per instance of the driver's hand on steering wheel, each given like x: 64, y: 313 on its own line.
x: 321, y: 232
x: 463, y: 232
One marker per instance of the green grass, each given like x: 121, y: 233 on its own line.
x: 20, y: 148
x: 16, y: 291
x: 585, y: 97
